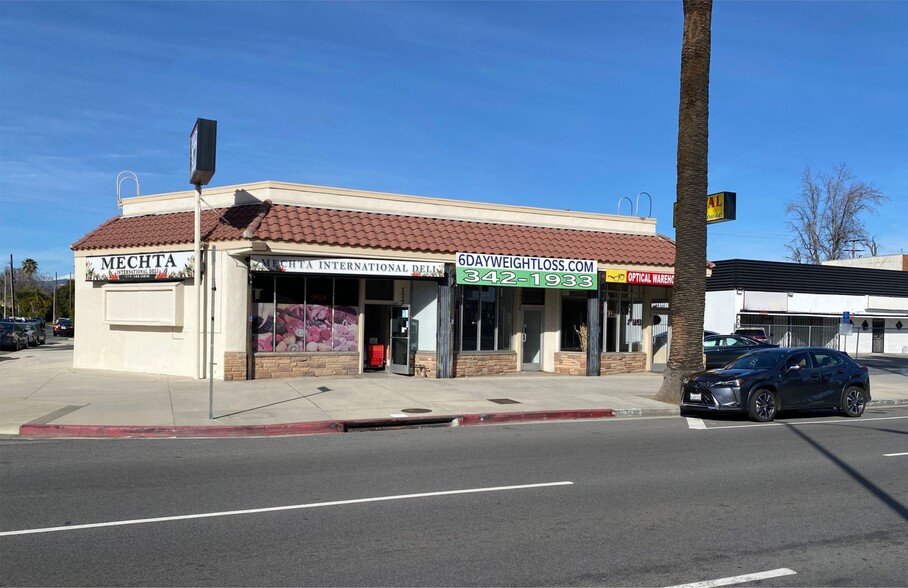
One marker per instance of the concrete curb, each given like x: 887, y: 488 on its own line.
x: 305, y: 428
x: 37, y: 429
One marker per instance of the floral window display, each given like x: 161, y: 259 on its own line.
x: 305, y: 315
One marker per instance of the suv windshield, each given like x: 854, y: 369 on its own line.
x: 758, y: 360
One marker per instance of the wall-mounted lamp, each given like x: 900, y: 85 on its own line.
x: 790, y: 294
x: 739, y: 291
x: 864, y: 325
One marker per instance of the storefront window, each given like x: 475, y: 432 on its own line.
x: 318, y: 314
x: 485, y: 318
x: 294, y: 314
x: 346, y: 302
x: 573, y: 319
x: 623, y: 321
x: 263, y: 313
x: 379, y: 289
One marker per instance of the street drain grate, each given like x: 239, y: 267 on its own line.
x: 323, y: 389
x: 503, y: 401
x: 415, y: 410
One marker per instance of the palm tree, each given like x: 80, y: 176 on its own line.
x: 29, y: 266
x: 689, y: 293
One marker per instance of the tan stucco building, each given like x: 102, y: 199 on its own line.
x: 302, y: 280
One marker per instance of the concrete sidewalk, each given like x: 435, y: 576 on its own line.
x: 42, y: 395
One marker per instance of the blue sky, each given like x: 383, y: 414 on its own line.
x: 564, y: 105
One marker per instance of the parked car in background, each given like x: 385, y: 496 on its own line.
x: 38, y: 319
x: 12, y: 337
x: 30, y: 330
x: 63, y: 327
x: 661, y: 339
x: 755, y: 333
x: 769, y: 380
x: 40, y: 333
x: 721, y: 349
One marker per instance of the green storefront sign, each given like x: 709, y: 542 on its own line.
x: 478, y: 269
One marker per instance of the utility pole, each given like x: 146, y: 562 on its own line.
x: 54, y: 316
x: 12, y: 284
x: 854, y: 249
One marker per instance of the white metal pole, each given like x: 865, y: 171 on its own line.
x: 214, y: 289
x: 197, y: 281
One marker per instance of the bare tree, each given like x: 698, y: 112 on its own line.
x: 689, y: 293
x: 828, y: 215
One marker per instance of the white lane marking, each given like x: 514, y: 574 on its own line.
x: 280, y: 508
x: 739, y: 579
x: 695, y: 423
x: 778, y: 424
x: 895, y: 454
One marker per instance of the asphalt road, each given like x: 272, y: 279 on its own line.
x: 818, y: 499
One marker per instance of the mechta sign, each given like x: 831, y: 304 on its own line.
x: 720, y: 207
x: 479, y: 269
x: 642, y: 278
x: 169, y: 265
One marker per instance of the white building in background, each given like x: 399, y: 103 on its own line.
x: 801, y: 305
x: 897, y: 262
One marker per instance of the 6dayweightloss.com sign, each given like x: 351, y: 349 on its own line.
x: 527, y: 272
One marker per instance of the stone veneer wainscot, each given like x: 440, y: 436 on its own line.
x: 574, y: 363
x: 487, y: 363
x: 298, y: 365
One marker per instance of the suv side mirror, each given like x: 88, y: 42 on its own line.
x: 792, y: 368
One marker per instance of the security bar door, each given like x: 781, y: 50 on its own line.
x: 400, y: 340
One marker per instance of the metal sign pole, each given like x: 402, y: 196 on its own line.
x: 197, y: 281
x: 214, y: 289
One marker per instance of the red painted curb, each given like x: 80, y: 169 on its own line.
x: 304, y: 428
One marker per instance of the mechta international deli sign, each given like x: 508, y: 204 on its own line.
x: 170, y: 265
x: 335, y: 265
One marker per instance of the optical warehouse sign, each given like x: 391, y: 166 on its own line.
x: 642, y: 278
x: 170, y: 265
x: 526, y: 272
x: 359, y: 267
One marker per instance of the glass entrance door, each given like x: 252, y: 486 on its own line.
x: 400, y: 340
x: 531, y: 354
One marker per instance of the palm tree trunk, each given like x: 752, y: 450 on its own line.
x: 689, y: 293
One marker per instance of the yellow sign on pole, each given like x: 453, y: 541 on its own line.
x: 720, y: 207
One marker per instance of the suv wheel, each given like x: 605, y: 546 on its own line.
x: 853, y: 402
x: 762, y: 405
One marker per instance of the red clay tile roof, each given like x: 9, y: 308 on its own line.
x: 298, y: 224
